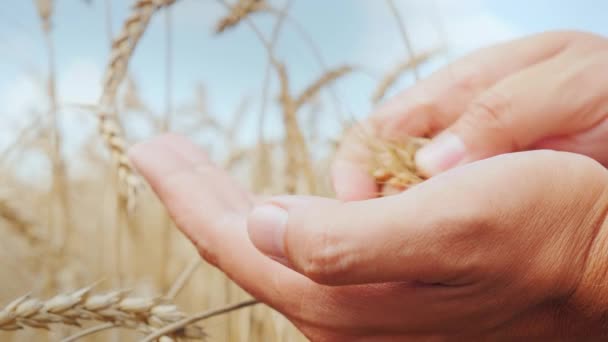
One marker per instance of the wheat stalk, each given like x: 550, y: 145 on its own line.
x: 145, y: 315
x: 109, y: 125
x: 296, y: 148
x: 19, y: 222
x: 404, y: 35
x: 240, y: 11
x: 186, y: 322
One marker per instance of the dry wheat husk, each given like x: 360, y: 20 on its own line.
x: 145, y: 315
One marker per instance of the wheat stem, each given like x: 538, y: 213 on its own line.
x: 197, y: 318
x: 404, y: 36
x: 183, y: 278
x: 89, y: 331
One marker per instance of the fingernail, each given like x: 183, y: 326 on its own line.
x: 441, y: 154
x: 267, y: 224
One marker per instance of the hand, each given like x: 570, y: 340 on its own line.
x: 486, y: 251
x: 546, y: 91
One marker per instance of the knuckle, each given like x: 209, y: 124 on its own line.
x: 492, y: 111
x: 468, y: 78
x: 325, y: 257
x: 490, y: 108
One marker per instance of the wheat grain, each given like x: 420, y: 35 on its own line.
x: 394, y: 165
x: 142, y: 314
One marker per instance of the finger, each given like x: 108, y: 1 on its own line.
x: 591, y: 143
x: 351, y: 169
x: 549, y: 99
x: 449, y: 230
x: 433, y: 104
x: 437, y: 101
x: 209, y: 208
x: 397, y: 238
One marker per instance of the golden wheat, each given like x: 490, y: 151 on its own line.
x: 109, y: 123
x: 394, y: 165
x: 141, y: 314
x: 149, y: 259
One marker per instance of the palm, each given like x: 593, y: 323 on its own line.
x: 211, y: 209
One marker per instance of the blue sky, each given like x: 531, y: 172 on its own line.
x: 359, y: 32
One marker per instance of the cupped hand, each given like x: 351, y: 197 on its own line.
x: 546, y: 91
x: 509, y: 247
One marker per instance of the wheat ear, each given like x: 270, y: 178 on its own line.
x: 116, y: 70
x: 241, y: 10
x: 145, y: 315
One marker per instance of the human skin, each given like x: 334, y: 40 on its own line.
x: 503, y: 248
x: 547, y: 91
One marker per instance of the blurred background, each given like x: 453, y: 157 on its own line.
x: 57, y: 183
x: 230, y: 67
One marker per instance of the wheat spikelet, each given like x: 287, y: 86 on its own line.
x: 393, y: 75
x: 394, y: 166
x: 327, y: 78
x: 142, y: 314
x: 240, y: 11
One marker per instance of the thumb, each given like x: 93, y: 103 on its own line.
x: 339, y: 243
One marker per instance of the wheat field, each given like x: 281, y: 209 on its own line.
x: 93, y: 256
